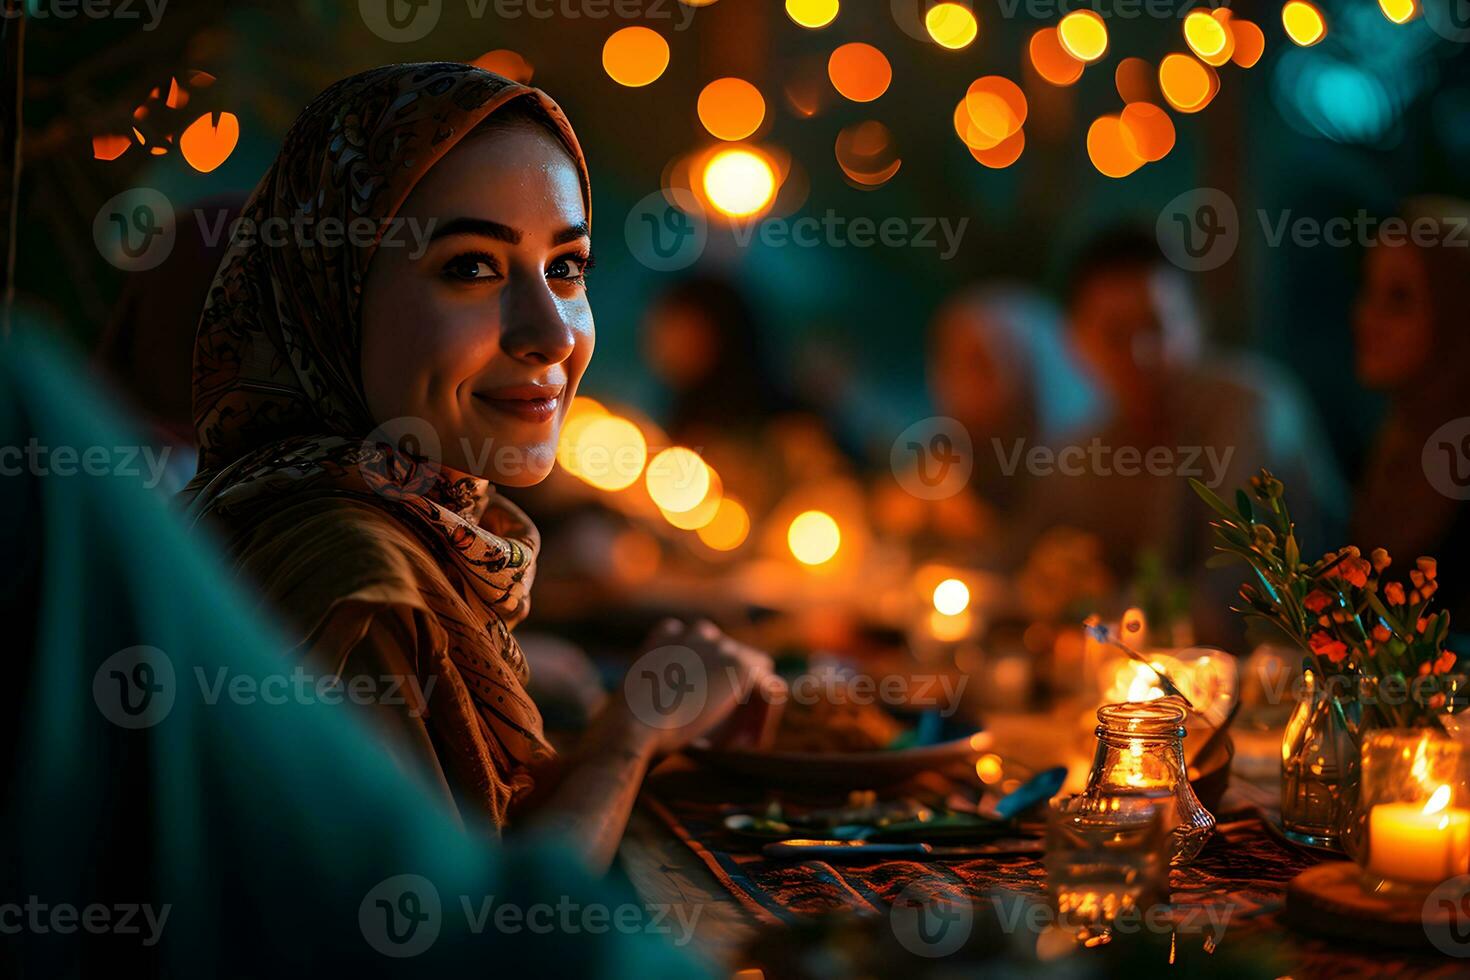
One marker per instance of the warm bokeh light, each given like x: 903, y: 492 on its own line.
x: 1187, y: 84
x: 812, y: 13
x: 209, y: 140
x: 1250, y: 42
x: 729, y: 527
x: 739, y: 182
x: 1108, y: 149
x: 859, y: 71
x: 996, y: 107
x: 1134, y: 78
x: 697, y: 516
x: 867, y: 154
x: 582, y: 413
x: 635, y: 56
x: 988, y: 768
x: 1051, y: 60
x: 731, y: 108
x: 813, y: 537
x: 677, y: 479
x: 1148, y: 130
x: 951, y: 597
x: 1209, y: 37
x: 611, y: 453
x: 634, y: 556
x: 1399, y: 11
x: 1002, y: 154
x: 109, y: 147
x: 507, y: 63
x: 1084, y: 35
x: 1304, y: 23
x: 951, y: 25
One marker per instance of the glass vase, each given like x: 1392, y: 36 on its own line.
x: 1319, y: 765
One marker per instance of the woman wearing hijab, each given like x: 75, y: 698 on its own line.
x: 408, y: 328
x: 1413, y: 344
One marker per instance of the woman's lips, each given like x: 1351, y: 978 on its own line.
x: 530, y: 403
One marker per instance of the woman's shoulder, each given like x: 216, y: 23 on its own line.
x: 315, y: 552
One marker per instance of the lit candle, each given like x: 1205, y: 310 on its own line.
x: 1421, y: 844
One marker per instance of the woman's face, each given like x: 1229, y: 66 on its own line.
x: 1394, y: 322
x: 486, y: 335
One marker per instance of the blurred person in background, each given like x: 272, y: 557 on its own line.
x: 999, y: 365
x: 1135, y: 327
x: 1412, y: 337
x: 705, y: 344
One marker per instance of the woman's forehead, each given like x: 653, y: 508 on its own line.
x: 499, y: 174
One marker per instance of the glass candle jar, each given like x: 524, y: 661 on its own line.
x: 1412, y: 823
x: 1140, y: 757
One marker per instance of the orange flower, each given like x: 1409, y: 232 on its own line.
x: 1445, y: 662
x: 1325, y: 646
x: 1394, y: 593
x: 1381, y: 634
x: 1381, y: 560
x: 1429, y: 567
x: 1353, y: 569
x: 1317, y: 600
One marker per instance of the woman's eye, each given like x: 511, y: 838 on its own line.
x: 471, y: 268
x: 572, y: 268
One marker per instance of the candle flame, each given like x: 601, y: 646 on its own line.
x: 1438, y: 802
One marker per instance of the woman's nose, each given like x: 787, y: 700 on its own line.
x: 535, y: 329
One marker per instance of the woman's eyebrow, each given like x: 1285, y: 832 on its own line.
x: 477, y: 226
x: 571, y: 233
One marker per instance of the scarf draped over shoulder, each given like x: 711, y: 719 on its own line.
x: 336, y: 523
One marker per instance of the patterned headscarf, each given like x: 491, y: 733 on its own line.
x: 279, y: 406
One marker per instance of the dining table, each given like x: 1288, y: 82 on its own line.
x: 1227, y: 909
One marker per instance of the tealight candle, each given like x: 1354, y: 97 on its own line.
x: 1410, y: 829
x: 1420, y: 843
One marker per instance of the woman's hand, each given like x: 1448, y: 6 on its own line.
x: 690, y: 681
x: 693, y: 681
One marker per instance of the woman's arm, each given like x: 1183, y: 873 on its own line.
x: 591, y: 805
x: 594, y: 798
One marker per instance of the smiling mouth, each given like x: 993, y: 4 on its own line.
x: 529, y: 403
